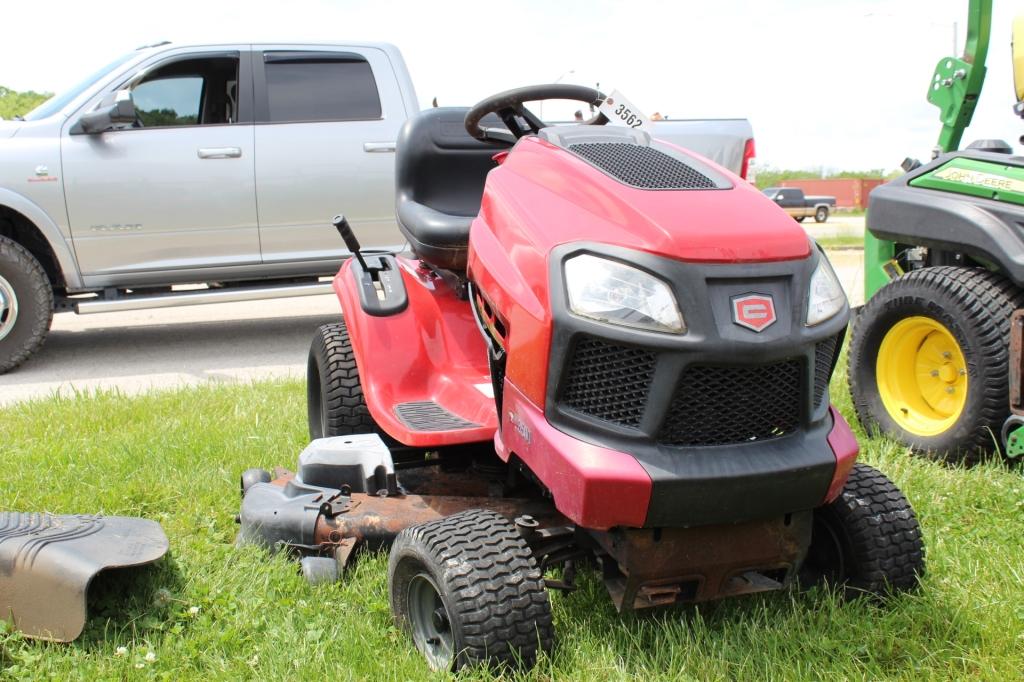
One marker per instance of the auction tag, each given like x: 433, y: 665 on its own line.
x: 618, y: 109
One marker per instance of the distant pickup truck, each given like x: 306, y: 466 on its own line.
x: 796, y: 204
x: 216, y: 165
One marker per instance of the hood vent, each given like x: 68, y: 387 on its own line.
x: 642, y: 167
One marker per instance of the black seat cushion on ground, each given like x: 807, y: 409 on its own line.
x: 439, y: 176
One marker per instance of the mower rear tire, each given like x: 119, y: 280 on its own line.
x: 821, y: 214
x: 26, y: 304
x: 469, y: 591
x: 335, y: 402
x: 929, y: 360
x: 867, y: 540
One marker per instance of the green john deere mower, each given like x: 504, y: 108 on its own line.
x: 935, y: 354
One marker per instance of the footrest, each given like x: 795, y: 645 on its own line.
x: 426, y: 415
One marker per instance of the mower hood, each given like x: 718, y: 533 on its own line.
x: 579, y: 195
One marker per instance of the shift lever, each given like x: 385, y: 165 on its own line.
x: 345, y: 230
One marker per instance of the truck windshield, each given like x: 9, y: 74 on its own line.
x: 58, y: 102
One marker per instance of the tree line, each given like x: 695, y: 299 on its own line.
x: 772, y: 177
x: 14, y: 103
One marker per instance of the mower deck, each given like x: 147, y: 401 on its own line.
x: 641, y: 568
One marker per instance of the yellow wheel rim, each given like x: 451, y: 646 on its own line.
x: 922, y: 376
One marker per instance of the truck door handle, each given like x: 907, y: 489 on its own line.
x: 378, y: 147
x: 219, y: 152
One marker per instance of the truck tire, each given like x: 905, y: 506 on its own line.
x: 867, y: 540
x: 469, y: 591
x: 334, y: 394
x: 929, y: 360
x: 26, y: 304
x: 799, y: 219
x: 820, y: 214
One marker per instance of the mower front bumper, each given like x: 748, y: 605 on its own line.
x: 601, y: 488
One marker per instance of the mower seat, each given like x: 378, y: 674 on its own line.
x: 439, y: 180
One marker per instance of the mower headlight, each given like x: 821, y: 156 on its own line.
x: 825, y: 297
x: 609, y: 291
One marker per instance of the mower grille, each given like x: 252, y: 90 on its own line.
x: 642, y: 167
x: 715, y: 405
x: 608, y: 381
x: 824, y: 356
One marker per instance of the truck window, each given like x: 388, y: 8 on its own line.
x: 320, y: 87
x: 188, y: 92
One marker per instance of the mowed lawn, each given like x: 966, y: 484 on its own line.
x: 210, y: 611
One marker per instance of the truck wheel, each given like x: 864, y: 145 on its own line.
x: 26, y: 304
x: 799, y: 219
x: 334, y: 395
x: 928, y: 360
x: 868, y: 539
x: 469, y: 591
x: 821, y: 214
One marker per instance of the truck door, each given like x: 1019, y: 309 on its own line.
x: 791, y: 200
x: 326, y: 124
x: 176, y: 191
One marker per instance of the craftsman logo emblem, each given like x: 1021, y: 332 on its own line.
x: 754, y: 311
x: 520, y: 426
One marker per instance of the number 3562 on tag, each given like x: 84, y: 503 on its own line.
x: 620, y: 110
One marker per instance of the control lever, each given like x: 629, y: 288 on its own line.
x: 345, y: 230
x: 910, y: 164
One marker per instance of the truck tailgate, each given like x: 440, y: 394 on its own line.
x: 721, y: 140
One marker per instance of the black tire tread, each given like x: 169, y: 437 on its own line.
x: 331, y: 355
x: 41, y: 293
x: 986, y: 300
x: 887, y: 549
x: 495, y: 587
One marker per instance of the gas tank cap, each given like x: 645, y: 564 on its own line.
x: 993, y: 146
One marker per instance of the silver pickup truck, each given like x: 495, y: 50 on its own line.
x: 213, y: 165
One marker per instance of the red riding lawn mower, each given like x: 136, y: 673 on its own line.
x: 602, y: 351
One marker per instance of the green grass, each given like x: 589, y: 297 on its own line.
x: 175, y: 457
x: 841, y: 242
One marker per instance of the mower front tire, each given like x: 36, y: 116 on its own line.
x: 867, y: 540
x: 929, y: 360
x: 469, y: 591
x: 334, y: 395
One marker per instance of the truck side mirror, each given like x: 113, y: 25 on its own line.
x: 115, y: 109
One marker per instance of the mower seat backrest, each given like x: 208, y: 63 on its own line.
x: 439, y: 180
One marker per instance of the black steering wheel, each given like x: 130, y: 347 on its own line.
x: 509, y: 107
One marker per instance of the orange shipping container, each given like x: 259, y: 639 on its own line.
x: 849, y: 192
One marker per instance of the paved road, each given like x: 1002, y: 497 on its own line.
x: 836, y: 226
x: 138, y: 351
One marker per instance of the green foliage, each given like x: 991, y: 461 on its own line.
x: 165, y: 117
x: 212, y: 612
x: 773, y: 177
x: 13, y: 103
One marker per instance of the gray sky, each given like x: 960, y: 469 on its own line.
x: 839, y: 84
